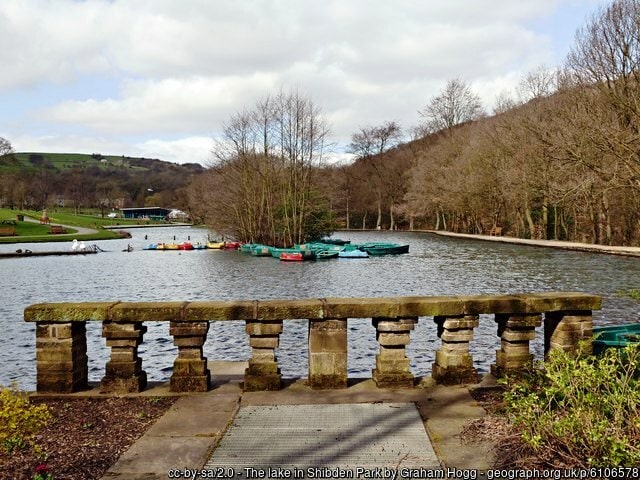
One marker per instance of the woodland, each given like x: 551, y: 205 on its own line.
x: 557, y: 158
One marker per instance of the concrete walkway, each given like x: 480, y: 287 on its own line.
x: 185, y: 438
x: 576, y: 246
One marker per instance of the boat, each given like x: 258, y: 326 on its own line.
x: 326, y: 254
x: 232, y: 245
x: 185, y: 246
x: 291, y: 256
x: 335, y: 241
x: 306, y: 254
x: 199, y: 246
x: 151, y: 246
x: 615, y: 336
x: 355, y: 253
x: 215, y: 245
x: 384, y: 248
x: 261, y: 251
x: 160, y: 246
x: 170, y: 246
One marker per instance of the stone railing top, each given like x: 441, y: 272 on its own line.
x: 323, y: 308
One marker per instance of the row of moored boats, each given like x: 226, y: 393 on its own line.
x: 309, y: 251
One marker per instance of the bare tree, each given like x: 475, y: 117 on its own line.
x: 5, y: 147
x: 268, y: 157
x: 536, y: 84
x: 375, y: 140
x: 456, y: 104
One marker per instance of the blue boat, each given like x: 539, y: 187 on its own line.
x: 353, y: 254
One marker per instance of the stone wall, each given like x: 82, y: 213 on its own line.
x: 62, y: 358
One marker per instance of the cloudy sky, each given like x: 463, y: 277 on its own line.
x: 158, y: 78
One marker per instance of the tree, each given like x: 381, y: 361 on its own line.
x: 264, y: 179
x: 456, y: 104
x: 375, y: 140
x: 5, y: 147
x: 369, y: 144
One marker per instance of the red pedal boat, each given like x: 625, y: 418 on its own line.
x: 291, y: 256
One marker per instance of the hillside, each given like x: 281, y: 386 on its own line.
x: 39, y: 179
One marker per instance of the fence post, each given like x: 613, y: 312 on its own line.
x: 123, y: 372
x: 263, y: 372
x: 393, y: 368
x: 61, y: 357
x: 515, y: 332
x: 328, y: 353
x: 190, y: 372
x: 454, y: 363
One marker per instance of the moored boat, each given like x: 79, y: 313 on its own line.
x: 326, y: 254
x: 185, y: 246
x: 151, y: 246
x: 261, y: 251
x: 170, y: 246
x: 215, y: 245
x: 384, y: 248
x: 291, y: 256
x: 355, y: 253
x: 615, y: 336
x: 232, y: 245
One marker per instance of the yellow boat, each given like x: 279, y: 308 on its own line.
x: 216, y: 245
x: 171, y: 246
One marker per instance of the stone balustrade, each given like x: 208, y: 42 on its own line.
x: 61, y: 345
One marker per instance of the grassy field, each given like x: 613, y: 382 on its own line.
x: 29, y: 231
x: 64, y: 161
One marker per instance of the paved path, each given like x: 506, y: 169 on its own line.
x: 582, y: 247
x: 353, y: 423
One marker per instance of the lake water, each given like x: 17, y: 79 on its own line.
x: 435, y: 266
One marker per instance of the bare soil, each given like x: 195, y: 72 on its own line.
x: 85, y: 437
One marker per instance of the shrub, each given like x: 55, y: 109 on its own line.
x: 20, y: 420
x: 584, y: 408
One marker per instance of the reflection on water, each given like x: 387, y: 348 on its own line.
x: 434, y: 266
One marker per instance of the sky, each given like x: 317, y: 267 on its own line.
x: 159, y: 78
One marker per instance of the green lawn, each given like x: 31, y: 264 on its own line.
x: 27, y: 231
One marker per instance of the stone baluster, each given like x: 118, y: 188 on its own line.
x: 123, y: 372
x: 190, y: 372
x: 515, y: 331
x: 61, y: 357
x: 565, y: 330
x: 263, y: 372
x: 328, y: 353
x: 393, y: 369
x: 454, y: 363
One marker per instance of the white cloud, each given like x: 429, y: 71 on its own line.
x: 181, y: 68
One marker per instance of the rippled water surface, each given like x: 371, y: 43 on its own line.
x: 434, y: 266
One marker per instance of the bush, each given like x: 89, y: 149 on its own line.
x: 583, y: 408
x: 20, y: 421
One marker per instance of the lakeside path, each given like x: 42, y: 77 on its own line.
x: 576, y: 246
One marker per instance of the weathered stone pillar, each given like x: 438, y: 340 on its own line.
x: 393, y: 368
x: 565, y: 330
x: 263, y: 372
x: 515, y: 331
x: 328, y: 353
x: 123, y: 372
x: 454, y: 363
x: 190, y: 372
x: 61, y: 357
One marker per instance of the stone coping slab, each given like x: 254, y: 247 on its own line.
x: 329, y: 308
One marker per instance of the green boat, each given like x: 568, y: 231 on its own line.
x: 374, y: 248
x: 261, y: 251
x: 615, y: 336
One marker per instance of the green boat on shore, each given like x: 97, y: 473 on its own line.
x: 615, y: 336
